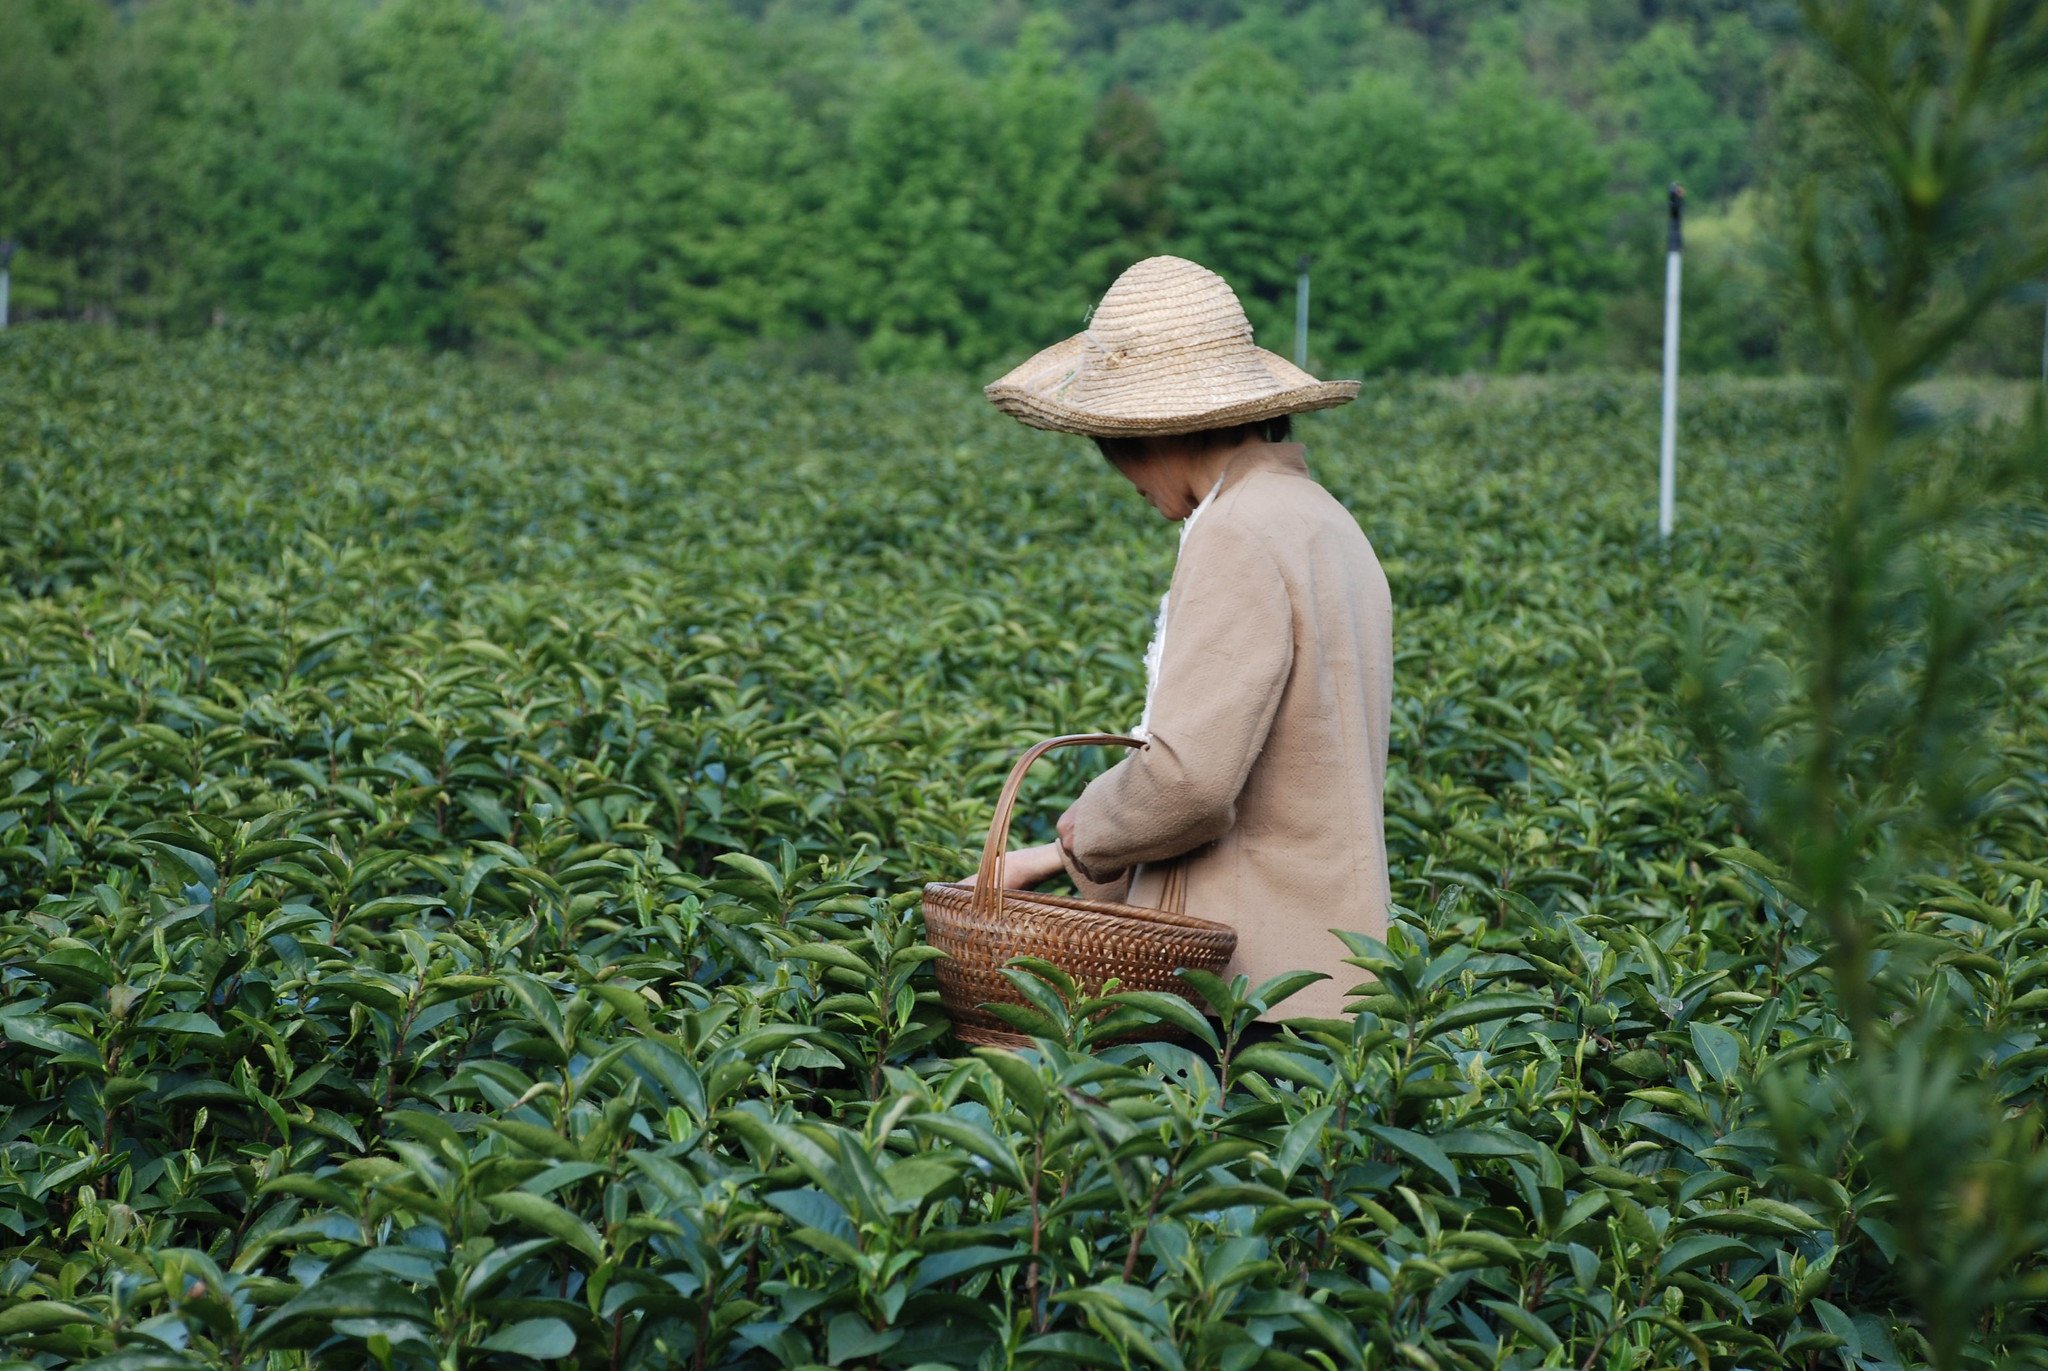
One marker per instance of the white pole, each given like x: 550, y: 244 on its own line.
x: 1301, y: 316
x: 1667, y: 490
x: 6, y: 261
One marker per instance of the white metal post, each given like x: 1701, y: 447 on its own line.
x: 6, y: 262
x: 1301, y: 316
x: 1667, y: 463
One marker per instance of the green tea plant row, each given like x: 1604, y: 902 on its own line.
x: 459, y: 840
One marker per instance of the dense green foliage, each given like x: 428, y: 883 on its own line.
x: 459, y: 842
x: 909, y: 186
x: 1860, y: 749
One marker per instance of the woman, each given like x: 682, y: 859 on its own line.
x: 1271, y: 669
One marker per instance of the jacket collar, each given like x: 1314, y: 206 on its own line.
x: 1282, y: 457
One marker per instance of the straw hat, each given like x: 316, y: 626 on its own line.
x: 1167, y: 351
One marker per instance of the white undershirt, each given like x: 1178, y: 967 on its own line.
x: 1157, y: 650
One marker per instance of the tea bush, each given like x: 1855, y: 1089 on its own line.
x: 459, y: 841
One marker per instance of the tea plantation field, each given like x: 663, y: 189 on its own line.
x: 459, y: 835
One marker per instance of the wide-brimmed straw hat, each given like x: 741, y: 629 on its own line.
x: 1168, y: 350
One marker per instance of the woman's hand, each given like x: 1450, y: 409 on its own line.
x: 1030, y: 866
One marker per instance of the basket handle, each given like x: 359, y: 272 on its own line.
x: 988, y: 885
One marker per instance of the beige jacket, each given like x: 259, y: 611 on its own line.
x: 1267, y: 758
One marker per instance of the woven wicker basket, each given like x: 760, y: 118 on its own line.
x: 980, y: 926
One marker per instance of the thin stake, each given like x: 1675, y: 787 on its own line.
x: 1301, y: 315
x: 1667, y: 457
x: 6, y: 260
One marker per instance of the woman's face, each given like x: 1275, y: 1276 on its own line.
x: 1161, y: 474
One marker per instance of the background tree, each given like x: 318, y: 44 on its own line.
x: 1384, y: 253
x: 950, y: 195
x: 1244, y: 174
x: 1128, y: 144
x: 905, y: 183
x: 1534, y: 260
x: 47, y: 111
x: 438, y: 72
x: 321, y: 210
x: 680, y: 198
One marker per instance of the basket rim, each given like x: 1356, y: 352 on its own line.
x: 1110, y: 908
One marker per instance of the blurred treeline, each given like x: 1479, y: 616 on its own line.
x: 915, y: 184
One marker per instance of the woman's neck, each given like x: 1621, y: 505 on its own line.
x: 1205, y: 469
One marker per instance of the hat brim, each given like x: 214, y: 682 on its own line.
x: 1028, y: 393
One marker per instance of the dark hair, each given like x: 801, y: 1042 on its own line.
x: 1275, y: 430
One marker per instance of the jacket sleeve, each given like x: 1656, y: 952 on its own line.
x: 1228, y: 650
x: 1117, y: 890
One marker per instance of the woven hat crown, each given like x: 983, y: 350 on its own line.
x: 1167, y: 350
x: 1167, y: 304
